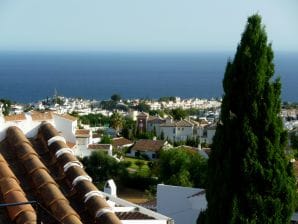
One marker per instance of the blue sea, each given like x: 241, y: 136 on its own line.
x: 28, y: 77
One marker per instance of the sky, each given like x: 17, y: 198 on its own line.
x: 142, y: 25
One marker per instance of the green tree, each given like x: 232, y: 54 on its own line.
x: 105, y: 139
x: 6, y: 105
x: 182, y: 167
x: 178, y: 113
x: 249, y: 178
x: 142, y: 106
x: 116, y: 97
x: 129, y: 128
x: 102, y: 167
x: 116, y: 121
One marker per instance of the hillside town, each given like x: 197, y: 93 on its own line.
x: 153, y: 134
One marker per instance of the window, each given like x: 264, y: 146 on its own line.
x: 174, y: 130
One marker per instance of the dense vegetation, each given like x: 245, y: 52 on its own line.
x: 249, y: 178
x: 182, y: 167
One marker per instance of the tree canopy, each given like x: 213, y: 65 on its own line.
x: 117, y: 121
x: 182, y: 167
x: 116, y: 97
x: 249, y: 178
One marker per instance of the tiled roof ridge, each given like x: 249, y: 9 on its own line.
x: 15, y: 117
x: 66, y: 116
x: 12, y: 192
x: 42, y: 181
x: 148, y: 144
x: 180, y: 123
x: 87, y: 192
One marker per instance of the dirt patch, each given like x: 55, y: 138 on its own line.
x: 133, y: 195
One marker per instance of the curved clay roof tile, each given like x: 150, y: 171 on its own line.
x: 8, y: 185
x: 84, y: 187
x: 23, y: 150
x: 5, y: 172
x: 13, y: 197
x: 15, y: 136
x: 48, y: 131
x: 33, y: 164
x: 96, y: 203
x: 65, y: 158
x: 27, y: 217
x: 64, y: 212
x: 55, y: 146
x: 41, y: 177
x: 51, y: 194
x: 75, y: 171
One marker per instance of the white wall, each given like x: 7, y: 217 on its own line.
x: 67, y: 127
x: 180, y: 134
x: 210, y: 135
x: 148, y: 153
x: 82, y: 151
x: 176, y: 202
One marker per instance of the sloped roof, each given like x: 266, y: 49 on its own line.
x: 15, y: 117
x: 99, y: 146
x: 119, y: 142
x: 67, y: 117
x: 182, y: 123
x: 83, y: 133
x: 148, y: 145
x: 156, y: 120
x: 73, y: 198
x: 39, y: 116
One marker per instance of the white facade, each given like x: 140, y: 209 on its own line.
x: 174, y: 133
x: 180, y: 203
x: 151, y: 154
x: 30, y: 127
x: 66, y: 126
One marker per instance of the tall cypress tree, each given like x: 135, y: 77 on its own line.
x: 250, y: 180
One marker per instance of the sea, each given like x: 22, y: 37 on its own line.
x: 31, y: 76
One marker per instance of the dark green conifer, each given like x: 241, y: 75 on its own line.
x: 250, y: 180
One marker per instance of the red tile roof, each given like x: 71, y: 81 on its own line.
x: 70, y: 144
x: 15, y: 117
x: 148, y: 145
x: 182, y: 123
x: 119, y: 142
x: 83, y: 133
x: 99, y: 146
x: 38, y: 116
x: 67, y: 117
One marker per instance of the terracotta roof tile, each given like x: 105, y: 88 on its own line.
x: 99, y: 146
x: 70, y: 144
x: 182, y: 123
x: 118, y: 142
x: 15, y: 117
x: 148, y: 145
x: 83, y: 133
x: 67, y: 117
x: 132, y: 216
x: 38, y: 116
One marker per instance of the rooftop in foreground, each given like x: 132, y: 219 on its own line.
x: 45, y: 170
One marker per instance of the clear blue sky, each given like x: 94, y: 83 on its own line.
x: 142, y: 25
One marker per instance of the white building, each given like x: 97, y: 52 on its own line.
x: 30, y: 122
x: 178, y: 130
x: 183, y: 204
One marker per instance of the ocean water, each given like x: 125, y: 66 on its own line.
x: 28, y: 77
